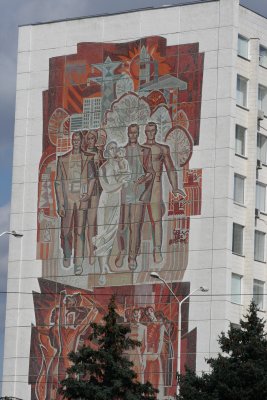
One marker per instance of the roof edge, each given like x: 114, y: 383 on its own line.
x: 120, y: 12
x: 254, y: 12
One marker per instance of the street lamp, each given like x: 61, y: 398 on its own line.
x: 180, y: 302
x: 13, y: 233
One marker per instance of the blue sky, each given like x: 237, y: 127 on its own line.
x: 19, y: 12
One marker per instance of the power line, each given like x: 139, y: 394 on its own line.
x: 117, y: 290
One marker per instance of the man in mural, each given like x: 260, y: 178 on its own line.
x: 160, y: 157
x: 155, y: 340
x: 74, y: 186
x: 167, y: 353
x: 138, y: 354
x: 89, y: 148
x: 134, y: 198
x: 70, y: 330
x: 47, y: 379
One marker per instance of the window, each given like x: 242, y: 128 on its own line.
x: 240, y: 140
x: 239, y: 186
x: 262, y: 148
x: 260, y: 196
x: 259, y: 246
x: 258, y: 293
x: 236, y: 288
x: 262, y: 98
x: 241, y: 91
x: 242, y: 47
x: 263, y: 56
x: 237, y: 244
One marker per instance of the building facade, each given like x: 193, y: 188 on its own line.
x: 140, y: 147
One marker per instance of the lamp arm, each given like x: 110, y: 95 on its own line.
x: 4, y: 233
x: 187, y: 297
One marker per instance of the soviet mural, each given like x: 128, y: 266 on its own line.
x: 115, y: 196
x: 62, y: 317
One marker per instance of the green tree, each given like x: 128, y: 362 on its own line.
x: 239, y: 371
x: 106, y: 373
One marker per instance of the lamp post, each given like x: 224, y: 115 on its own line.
x: 179, y: 302
x: 13, y: 233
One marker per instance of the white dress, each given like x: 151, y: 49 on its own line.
x: 108, y: 213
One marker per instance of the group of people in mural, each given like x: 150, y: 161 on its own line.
x: 153, y: 360
x: 68, y: 330
x: 104, y: 195
x: 68, y: 322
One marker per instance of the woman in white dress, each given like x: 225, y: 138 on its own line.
x: 112, y: 179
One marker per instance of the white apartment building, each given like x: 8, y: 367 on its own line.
x: 140, y: 146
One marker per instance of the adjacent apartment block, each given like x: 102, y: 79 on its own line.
x: 140, y: 146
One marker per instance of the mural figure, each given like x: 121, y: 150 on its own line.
x: 155, y: 340
x: 75, y: 182
x: 167, y: 354
x: 90, y: 138
x: 138, y: 332
x: 123, y: 163
x: 47, y: 380
x: 112, y: 180
x: 69, y: 321
x: 134, y: 198
x: 70, y: 331
x: 156, y: 209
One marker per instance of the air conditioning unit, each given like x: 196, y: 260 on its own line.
x: 259, y: 164
x: 260, y: 115
x: 257, y: 213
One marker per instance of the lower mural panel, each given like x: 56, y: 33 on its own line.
x: 63, y: 314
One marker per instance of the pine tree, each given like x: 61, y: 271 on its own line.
x: 106, y: 373
x: 239, y: 372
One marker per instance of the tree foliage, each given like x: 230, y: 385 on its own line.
x: 103, y: 372
x: 239, y: 371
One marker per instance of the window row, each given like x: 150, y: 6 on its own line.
x: 236, y: 291
x: 239, y: 193
x: 243, y: 50
x: 240, y: 144
x: 242, y: 94
x: 259, y: 243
